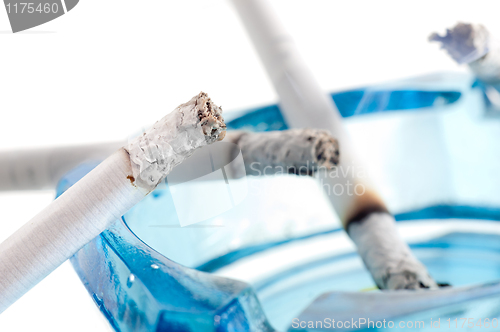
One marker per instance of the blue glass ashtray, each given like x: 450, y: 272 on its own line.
x: 280, y: 260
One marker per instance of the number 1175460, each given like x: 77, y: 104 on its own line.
x: 31, y: 8
x: 471, y: 322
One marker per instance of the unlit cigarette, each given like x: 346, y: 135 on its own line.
x: 304, y: 104
x: 104, y: 195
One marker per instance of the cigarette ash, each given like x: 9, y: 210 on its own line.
x: 326, y: 149
x: 388, y: 258
x: 464, y: 42
x: 174, y: 138
x: 211, y: 120
x: 295, y: 151
x: 474, y: 45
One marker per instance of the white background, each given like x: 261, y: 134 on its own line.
x: 109, y: 67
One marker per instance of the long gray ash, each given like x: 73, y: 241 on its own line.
x: 295, y: 151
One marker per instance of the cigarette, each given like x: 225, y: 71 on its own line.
x: 41, y: 169
x: 302, y: 101
x: 389, y: 260
x: 304, y: 104
x: 473, y: 45
x: 104, y: 195
x: 295, y: 151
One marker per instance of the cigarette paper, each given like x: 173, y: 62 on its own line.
x: 104, y: 195
x: 304, y: 104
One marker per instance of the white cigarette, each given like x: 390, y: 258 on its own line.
x: 302, y: 101
x: 104, y: 195
x: 301, y: 151
x: 38, y: 169
x: 304, y: 104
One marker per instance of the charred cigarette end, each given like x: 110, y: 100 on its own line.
x: 296, y: 151
x: 210, y: 116
x: 326, y: 149
x: 173, y: 139
x: 363, y: 206
x: 464, y: 42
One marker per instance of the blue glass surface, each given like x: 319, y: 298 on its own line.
x: 136, y: 288
x: 458, y: 258
x: 351, y: 103
x: 127, y: 273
